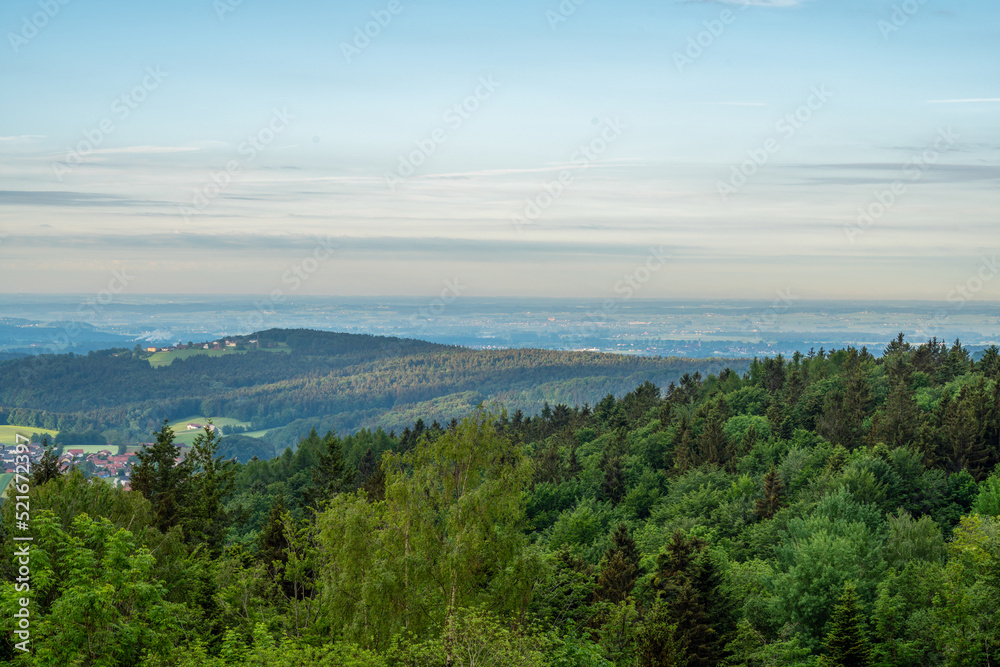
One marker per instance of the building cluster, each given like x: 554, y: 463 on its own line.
x: 10, y: 454
x: 113, y: 468
x: 214, y: 345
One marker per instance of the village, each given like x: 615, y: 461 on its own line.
x: 110, y: 463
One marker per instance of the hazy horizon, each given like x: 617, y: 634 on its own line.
x: 847, y: 150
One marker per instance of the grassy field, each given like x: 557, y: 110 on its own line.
x: 94, y: 449
x: 184, y: 436
x: 166, y: 358
x: 7, y: 433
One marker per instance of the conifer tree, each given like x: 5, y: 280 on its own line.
x: 366, y: 467
x: 331, y: 474
x: 48, y: 467
x: 161, y: 479
x: 619, y: 568
x: 613, y: 485
x: 209, y: 485
x: 774, y: 495
x: 846, y: 641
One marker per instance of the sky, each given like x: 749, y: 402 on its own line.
x: 841, y: 149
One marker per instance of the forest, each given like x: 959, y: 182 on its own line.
x: 835, y: 508
x: 328, y: 381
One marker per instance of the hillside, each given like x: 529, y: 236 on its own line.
x: 328, y: 380
x: 829, y: 509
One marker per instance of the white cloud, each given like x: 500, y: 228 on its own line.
x: 970, y: 100
x: 764, y: 3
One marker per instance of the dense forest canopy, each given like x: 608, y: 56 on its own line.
x: 327, y: 381
x: 829, y: 509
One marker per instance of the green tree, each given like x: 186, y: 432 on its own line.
x: 47, y: 468
x: 210, y: 484
x: 774, y: 495
x: 620, y: 567
x: 847, y: 640
x: 331, y: 475
x: 448, y: 535
x: 161, y: 479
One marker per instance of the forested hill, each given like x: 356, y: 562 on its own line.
x: 296, y: 379
x: 828, y: 510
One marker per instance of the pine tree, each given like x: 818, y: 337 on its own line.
x: 47, y: 468
x: 573, y: 468
x: 774, y: 495
x: 684, y: 455
x: 619, y: 568
x: 713, y: 443
x: 210, y: 484
x: 366, y: 467
x: 613, y: 485
x: 161, y: 479
x: 846, y: 641
x: 550, y: 465
x: 331, y: 474
x: 691, y: 602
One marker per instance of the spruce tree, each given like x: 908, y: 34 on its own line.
x: 774, y: 495
x: 331, y: 474
x: 689, y: 600
x: 846, y: 641
x: 619, y: 568
x: 161, y: 479
x: 209, y: 486
x: 613, y: 485
x: 47, y: 468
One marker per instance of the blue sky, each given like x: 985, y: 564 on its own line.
x: 693, y: 149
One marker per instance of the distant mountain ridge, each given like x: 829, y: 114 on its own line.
x: 328, y: 380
